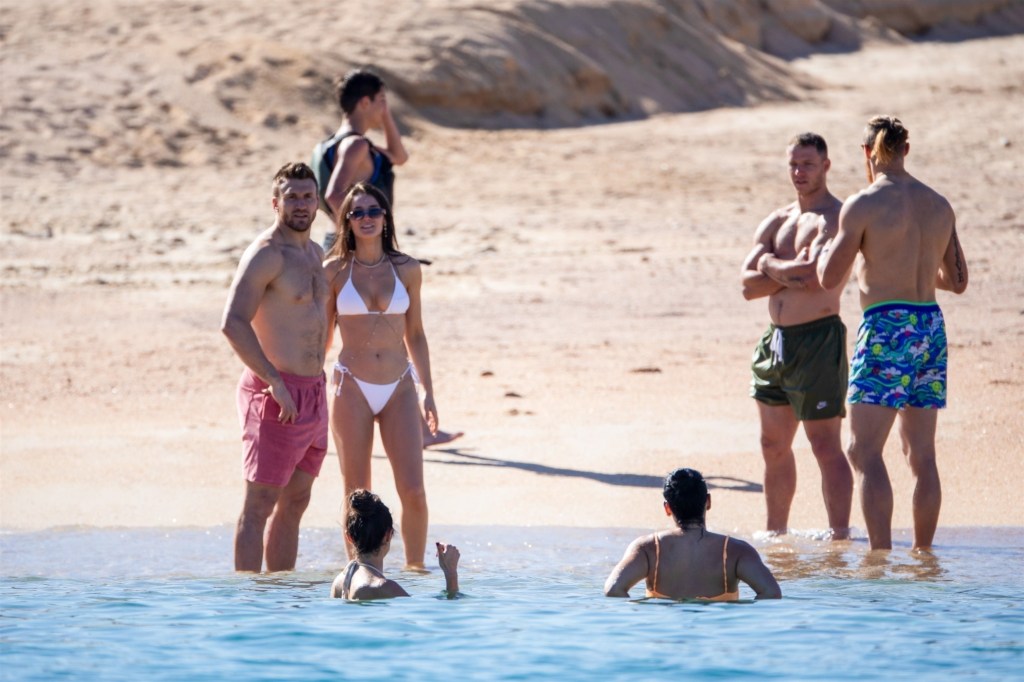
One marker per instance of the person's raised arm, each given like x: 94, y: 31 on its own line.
x: 260, y: 265
x: 394, y: 150
x: 838, y: 254
x: 952, y: 274
x: 353, y: 164
x: 448, y: 558
x: 631, y: 569
x: 416, y: 338
x: 751, y: 570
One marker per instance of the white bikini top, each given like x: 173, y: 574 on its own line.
x: 350, y: 302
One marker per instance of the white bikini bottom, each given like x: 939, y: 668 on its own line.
x: 377, y: 395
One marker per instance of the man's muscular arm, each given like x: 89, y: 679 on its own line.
x: 799, y: 273
x: 757, y: 284
x: 259, y: 267
x: 952, y: 274
x: 838, y: 254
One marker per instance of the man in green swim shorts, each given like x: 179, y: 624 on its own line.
x: 799, y: 367
x: 906, y: 232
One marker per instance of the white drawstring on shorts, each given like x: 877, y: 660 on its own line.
x: 775, y: 346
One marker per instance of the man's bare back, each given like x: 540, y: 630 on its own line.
x: 905, y: 233
x: 906, y: 230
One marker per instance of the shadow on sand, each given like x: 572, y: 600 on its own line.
x: 631, y: 480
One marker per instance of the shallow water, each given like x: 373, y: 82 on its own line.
x: 163, y: 604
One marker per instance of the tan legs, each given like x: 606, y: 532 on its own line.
x: 352, y: 424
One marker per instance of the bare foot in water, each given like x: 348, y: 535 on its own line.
x: 440, y: 438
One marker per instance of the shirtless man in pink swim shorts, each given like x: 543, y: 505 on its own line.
x: 275, y: 320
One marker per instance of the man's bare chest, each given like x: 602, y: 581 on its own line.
x: 798, y: 230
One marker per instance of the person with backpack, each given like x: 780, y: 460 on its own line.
x: 348, y: 156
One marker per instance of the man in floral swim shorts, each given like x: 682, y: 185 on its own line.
x: 906, y: 232
x: 900, y: 358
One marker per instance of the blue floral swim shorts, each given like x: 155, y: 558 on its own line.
x: 900, y: 356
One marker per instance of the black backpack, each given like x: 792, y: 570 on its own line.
x: 325, y: 155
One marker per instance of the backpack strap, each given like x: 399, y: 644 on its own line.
x: 325, y: 156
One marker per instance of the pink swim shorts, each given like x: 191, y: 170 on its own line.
x: 272, y: 451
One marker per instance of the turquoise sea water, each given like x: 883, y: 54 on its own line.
x: 163, y: 604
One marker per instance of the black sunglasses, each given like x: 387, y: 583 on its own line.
x: 359, y: 214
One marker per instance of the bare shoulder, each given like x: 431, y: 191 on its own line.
x: 337, y: 586
x: 741, y: 550
x: 409, y: 269
x: 332, y: 266
x: 377, y: 589
x: 937, y: 203
x: 860, y: 203
x: 772, y: 222
x: 781, y: 214
x: 740, y: 546
x: 643, y: 545
x: 354, y: 144
x: 264, y: 253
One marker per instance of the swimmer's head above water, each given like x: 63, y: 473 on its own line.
x: 368, y: 524
x: 686, y: 496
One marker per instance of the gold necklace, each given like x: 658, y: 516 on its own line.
x: 370, y: 265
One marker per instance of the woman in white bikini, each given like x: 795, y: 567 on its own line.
x: 368, y: 527
x: 375, y: 299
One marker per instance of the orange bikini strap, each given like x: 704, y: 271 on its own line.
x: 725, y: 572
x: 657, y: 560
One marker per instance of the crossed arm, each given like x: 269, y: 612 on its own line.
x: 764, y: 273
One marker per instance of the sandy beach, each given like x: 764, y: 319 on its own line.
x: 583, y: 302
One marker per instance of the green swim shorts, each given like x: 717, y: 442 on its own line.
x: 804, y: 366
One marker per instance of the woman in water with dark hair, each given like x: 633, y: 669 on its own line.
x: 369, y: 528
x: 375, y: 299
x: 689, y: 562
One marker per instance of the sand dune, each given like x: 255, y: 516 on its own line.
x: 192, y: 84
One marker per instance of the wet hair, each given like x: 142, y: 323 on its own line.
x: 291, y: 171
x: 354, y: 86
x: 686, y: 492
x: 346, y: 242
x: 810, y: 140
x: 886, y: 137
x: 368, y: 521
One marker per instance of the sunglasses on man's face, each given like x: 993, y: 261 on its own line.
x: 359, y: 213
